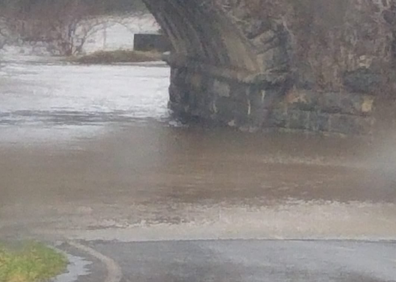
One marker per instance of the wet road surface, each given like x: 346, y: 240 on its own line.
x: 91, y: 152
x: 248, y: 261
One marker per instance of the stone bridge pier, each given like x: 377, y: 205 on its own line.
x: 312, y: 65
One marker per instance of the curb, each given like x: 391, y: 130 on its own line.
x: 114, y: 273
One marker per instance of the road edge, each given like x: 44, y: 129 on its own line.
x: 114, y: 273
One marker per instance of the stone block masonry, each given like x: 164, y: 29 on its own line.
x: 311, y: 65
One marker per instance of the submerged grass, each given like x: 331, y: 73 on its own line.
x: 118, y: 56
x: 29, y: 262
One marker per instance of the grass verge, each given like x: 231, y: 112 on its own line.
x: 29, y: 262
x: 118, y: 56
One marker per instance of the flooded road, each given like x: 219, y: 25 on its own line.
x: 78, y: 100
x: 92, y: 152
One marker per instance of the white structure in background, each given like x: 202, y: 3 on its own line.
x: 118, y: 33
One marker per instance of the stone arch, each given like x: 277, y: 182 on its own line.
x: 213, y: 55
x: 201, y: 32
x: 238, y: 67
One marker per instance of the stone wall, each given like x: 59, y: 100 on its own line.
x: 335, y: 112
x: 252, y: 106
x: 314, y: 65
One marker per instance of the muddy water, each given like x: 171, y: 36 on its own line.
x: 93, y: 152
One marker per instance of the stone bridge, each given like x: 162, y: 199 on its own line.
x: 313, y: 65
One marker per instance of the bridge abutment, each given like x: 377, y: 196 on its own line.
x: 251, y: 105
x: 305, y: 65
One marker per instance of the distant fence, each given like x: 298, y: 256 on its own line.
x: 151, y: 42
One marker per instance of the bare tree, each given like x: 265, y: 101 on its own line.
x: 64, y: 26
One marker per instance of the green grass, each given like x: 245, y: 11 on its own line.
x: 118, y: 56
x: 29, y: 262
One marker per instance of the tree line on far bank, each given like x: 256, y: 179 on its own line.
x: 62, y: 25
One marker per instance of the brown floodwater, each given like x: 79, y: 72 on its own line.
x: 91, y: 148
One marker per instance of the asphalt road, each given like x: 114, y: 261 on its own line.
x: 248, y: 261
